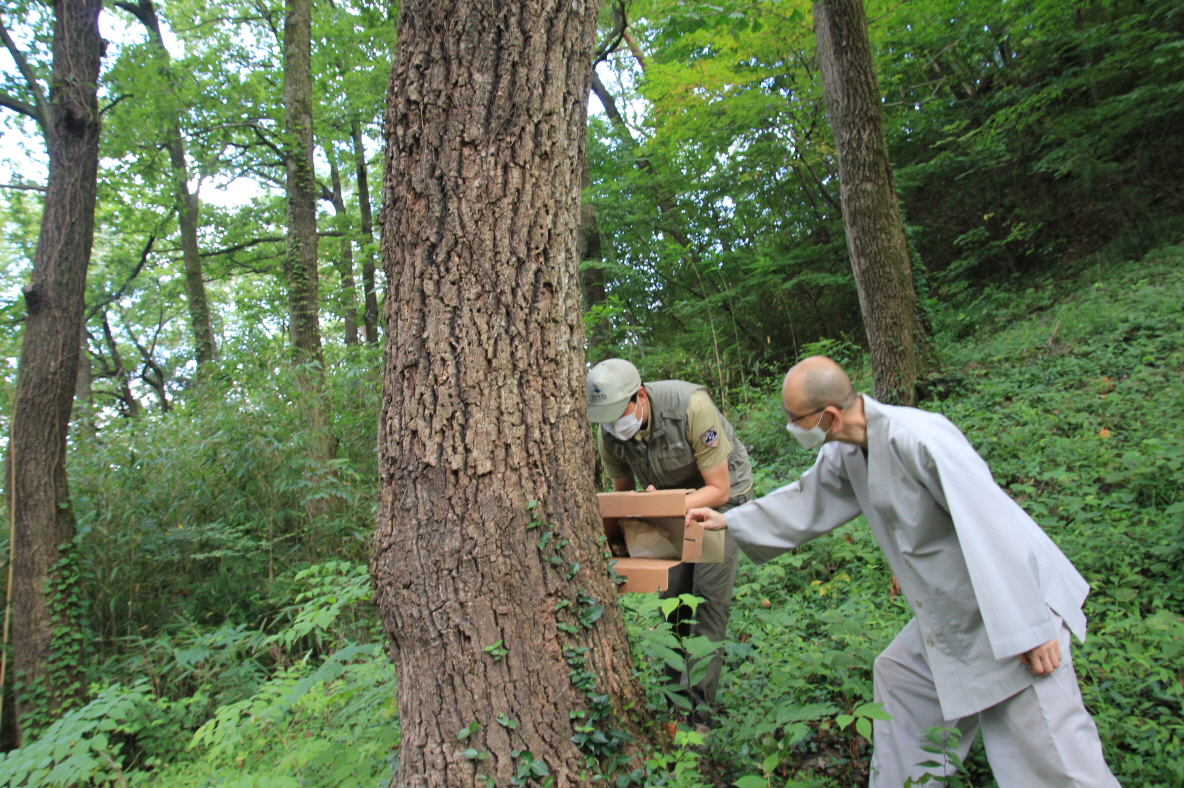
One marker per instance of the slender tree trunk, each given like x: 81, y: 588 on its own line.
x: 592, y: 277
x: 83, y: 391
x: 119, y: 374
x: 370, y: 297
x: 345, y: 265
x: 871, y: 216
x: 300, y: 255
x: 483, y: 401
x: 205, y: 349
x: 44, y: 634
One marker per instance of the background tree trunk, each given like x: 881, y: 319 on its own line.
x: 592, y: 277
x: 300, y: 255
x: 188, y: 205
x: 483, y: 397
x: 345, y: 264
x: 369, y: 296
x: 871, y: 216
x: 47, y: 668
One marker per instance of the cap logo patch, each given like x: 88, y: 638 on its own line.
x: 711, y: 438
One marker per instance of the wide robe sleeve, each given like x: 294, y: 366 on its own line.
x: 818, y: 502
x: 1001, y: 545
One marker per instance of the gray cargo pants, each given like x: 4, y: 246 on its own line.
x: 713, y: 583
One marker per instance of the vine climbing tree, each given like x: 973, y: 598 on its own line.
x: 488, y: 574
x: 47, y: 669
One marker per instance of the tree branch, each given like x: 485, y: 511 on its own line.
x: 274, y: 239
x: 94, y: 310
x: 24, y: 187
x: 613, y: 41
x: 244, y: 245
x: 638, y: 55
x: 263, y: 140
x: 17, y: 105
x: 118, y: 99
x: 139, y: 10
x: 40, y: 108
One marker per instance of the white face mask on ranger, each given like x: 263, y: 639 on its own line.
x: 625, y: 427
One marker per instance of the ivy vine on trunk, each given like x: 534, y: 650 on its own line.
x: 492, y: 616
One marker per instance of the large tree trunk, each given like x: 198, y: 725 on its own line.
x: 875, y: 230
x: 345, y: 264
x: 483, y: 400
x: 46, y: 660
x: 370, y: 297
x: 205, y: 349
x: 300, y: 255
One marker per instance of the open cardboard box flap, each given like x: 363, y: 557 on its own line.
x: 666, y: 509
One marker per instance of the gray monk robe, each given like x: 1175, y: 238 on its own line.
x: 984, y: 580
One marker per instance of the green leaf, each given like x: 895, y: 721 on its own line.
x: 751, y: 781
x: 873, y: 711
x: 672, y: 658
x: 468, y: 730
x: 591, y: 615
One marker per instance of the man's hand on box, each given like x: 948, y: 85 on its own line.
x: 710, y: 519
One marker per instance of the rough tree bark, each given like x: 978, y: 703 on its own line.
x: 871, y: 216
x: 205, y: 349
x: 300, y: 254
x: 483, y: 399
x: 370, y: 297
x: 47, y: 670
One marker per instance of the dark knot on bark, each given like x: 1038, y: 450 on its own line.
x: 76, y: 119
x: 36, y: 299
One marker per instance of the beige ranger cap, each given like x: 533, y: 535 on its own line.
x: 610, y: 384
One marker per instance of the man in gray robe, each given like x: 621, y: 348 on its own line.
x: 993, y: 598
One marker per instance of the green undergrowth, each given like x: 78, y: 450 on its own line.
x: 1074, y: 393
x: 1073, y: 390
x: 309, y: 701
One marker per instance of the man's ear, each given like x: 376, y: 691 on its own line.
x: 836, y: 417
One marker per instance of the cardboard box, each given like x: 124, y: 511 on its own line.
x: 665, y: 509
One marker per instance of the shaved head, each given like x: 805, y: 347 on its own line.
x: 814, y: 383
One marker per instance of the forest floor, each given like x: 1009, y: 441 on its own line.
x: 1071, y: 387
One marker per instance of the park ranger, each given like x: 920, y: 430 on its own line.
x: 665, y: 435
x: 994, y: 600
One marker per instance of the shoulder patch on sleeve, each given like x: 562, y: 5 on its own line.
x: 710, y: 438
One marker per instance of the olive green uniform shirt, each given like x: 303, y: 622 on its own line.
x: 685, y: 435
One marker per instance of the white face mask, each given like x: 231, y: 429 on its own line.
x: 625, y: 427
x: 810, y: 439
